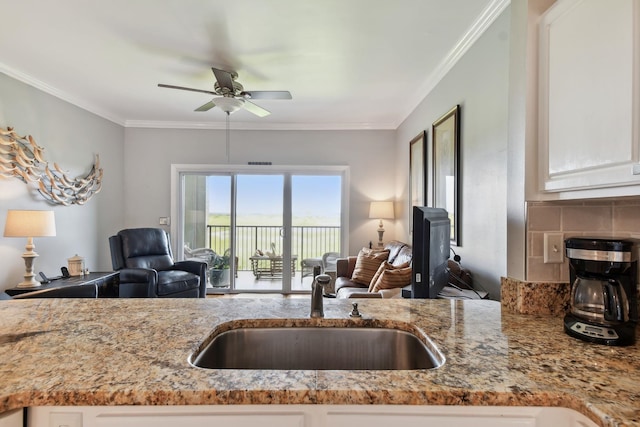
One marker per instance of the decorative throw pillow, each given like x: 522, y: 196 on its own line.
x: 367, y: 264
x: 374, y: 279
x: 392, y: 277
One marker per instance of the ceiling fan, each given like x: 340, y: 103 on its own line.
x: 231, y: 96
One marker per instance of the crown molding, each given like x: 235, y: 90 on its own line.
x: 258, y: 126
x: 46, y: 88
x: 481, y: 24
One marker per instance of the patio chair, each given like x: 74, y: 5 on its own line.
x: 329, y: 261
x: 214, y: 262
x: 306, y: 267
x: 200, y: 254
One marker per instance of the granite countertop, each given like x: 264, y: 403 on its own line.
x: 134, y: 351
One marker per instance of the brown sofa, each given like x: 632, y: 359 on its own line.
x: 399, y: 253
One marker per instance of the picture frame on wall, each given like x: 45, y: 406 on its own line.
x: 446, y: 168
x: 417, y: 173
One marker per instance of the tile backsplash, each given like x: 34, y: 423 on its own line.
x: 602, y: 218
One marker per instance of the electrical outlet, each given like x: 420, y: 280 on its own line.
x: 65, y: 419
x: 165, y: 220
x: 553, y: 248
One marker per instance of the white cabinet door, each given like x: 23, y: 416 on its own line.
x: 454, y: 416
x: 166, y: 416
x: 305, y: 416
x: 588, y: 98
x: 11, y: 418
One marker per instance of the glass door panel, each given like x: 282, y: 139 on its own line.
x: 259, y: 231
x: 315, y: 222
x: 218, y: 237
x: 195, y: 212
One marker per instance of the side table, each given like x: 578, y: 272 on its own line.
x: 271, y: 267
x: 107, y: 283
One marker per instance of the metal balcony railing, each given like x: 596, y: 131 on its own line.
x: 307, y: 241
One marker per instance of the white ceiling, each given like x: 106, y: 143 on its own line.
x: 349, y: 64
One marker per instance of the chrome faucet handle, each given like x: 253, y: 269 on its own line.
x: 323, y: 279
x: 355, y: 312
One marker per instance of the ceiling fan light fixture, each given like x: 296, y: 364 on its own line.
x: 228, y: 105
x: 230, y: 95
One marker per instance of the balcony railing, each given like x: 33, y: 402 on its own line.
x: 307, y: 241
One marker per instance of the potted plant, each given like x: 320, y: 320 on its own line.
x: 219, y: 270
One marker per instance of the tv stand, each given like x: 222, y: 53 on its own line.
x: 452, y: 292
x: 107, y: 284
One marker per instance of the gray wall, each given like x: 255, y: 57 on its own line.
x: 479, y: 83
x: 149, y: 154
x: 71, y: 137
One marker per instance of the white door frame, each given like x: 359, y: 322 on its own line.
x: 177, y: 218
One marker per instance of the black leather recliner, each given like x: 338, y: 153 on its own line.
x: 145, y: 262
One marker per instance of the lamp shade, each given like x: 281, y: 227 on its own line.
x: 30, y: 224
x: 381, y: 210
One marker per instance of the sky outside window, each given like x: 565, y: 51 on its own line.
x: 315, y: 198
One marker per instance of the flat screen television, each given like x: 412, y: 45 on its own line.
x: 431, y: 245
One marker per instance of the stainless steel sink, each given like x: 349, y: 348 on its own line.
x: 315, y: 348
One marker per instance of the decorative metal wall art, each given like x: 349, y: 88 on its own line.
x: 22, y: 158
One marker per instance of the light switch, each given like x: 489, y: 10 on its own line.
x: 65, y: 419
x: 165, y: 220
x: 553, y: 248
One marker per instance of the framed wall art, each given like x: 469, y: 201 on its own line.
x: 417, y: 174
x: 446, y: 168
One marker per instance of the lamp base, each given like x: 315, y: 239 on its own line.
x: 380, y: 234
x: 30, y: 283
x: 29, y: 277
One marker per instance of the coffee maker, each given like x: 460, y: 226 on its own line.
x: 603, y: 301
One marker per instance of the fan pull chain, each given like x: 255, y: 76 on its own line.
x: 228, y: 140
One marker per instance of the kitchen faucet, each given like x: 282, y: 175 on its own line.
x: 319, y: 282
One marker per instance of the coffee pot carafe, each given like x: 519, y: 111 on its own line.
x: 603, y: 301
x: 599, y: 300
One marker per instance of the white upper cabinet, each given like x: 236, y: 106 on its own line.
x: 588, y: 96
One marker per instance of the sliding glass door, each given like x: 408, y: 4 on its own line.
x: 260, y: 232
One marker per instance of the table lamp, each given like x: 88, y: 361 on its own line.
x: 29, y: 224
x: 381, y: 210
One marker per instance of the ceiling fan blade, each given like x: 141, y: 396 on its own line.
x: 267, y: 94
x: 224, y: 79
x: 206, y: 107
x: 255, y: 109
x: 186, y: 88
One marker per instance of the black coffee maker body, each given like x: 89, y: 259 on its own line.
x: 603, y: 301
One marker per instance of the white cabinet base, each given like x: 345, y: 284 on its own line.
x: 310, y: 416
